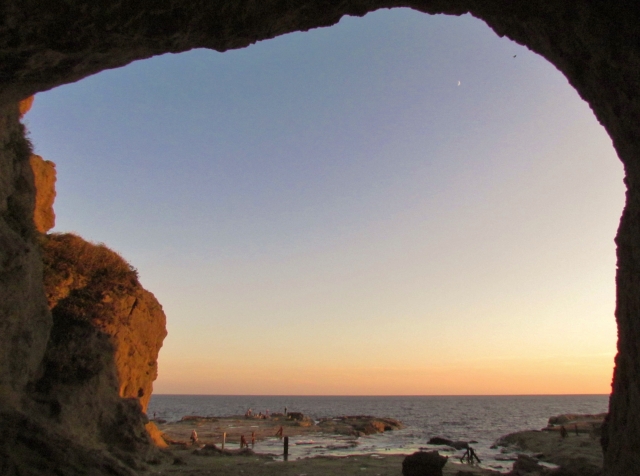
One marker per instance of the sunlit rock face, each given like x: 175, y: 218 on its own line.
x: 44, y: 177
x: 595, y: 44
x: 89, y: 283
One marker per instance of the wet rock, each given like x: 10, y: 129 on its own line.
x: 359, y: 425
x: 439, y: 441
x: 576, y: 417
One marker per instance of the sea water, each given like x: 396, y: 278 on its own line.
x: 482, y: 419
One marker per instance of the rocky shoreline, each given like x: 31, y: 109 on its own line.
x: 546, y: 452
x: 212, y: 430
x: 569, y: 445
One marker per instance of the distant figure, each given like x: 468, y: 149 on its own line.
x: 563, y: 432
x: 576, y: 427
x: 253, y: 439
x: 267, y: 413
x: 248, y: 413
x: 243, y: 442
x: 154, y: 415
x: 279, y: 433
x: 194, y: 437
x: 285, y: 410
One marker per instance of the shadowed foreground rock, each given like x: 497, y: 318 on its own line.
x: 423, y: 463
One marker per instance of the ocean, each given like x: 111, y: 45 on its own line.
x: 482, y: 419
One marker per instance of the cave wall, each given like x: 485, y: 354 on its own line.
x: 25, y: 320
x: 595, y: 44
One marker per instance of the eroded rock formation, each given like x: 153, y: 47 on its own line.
x: 44, y: 176
x: 595, y: 44
x: 90, y: 284
x: 80, y: 409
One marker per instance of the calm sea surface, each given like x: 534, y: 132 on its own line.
x: 470, y: 418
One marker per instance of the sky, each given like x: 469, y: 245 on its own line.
x: 400, y: 204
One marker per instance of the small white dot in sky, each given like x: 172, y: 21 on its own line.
x: 458, y: 83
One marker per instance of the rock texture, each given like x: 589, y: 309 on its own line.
x: 100, y: 361
x: 595, y: 44
x: 44, y: 176
x: 574, y: 451
x: 25, y: 319
x: 90, y: 283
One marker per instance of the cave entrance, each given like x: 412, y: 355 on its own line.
x: 413, y: 199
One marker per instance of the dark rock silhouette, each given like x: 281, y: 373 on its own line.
x: 423, y: 463
x: 595, y: 44
x: 459, y: 445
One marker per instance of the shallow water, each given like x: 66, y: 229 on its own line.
x: 470, y: 418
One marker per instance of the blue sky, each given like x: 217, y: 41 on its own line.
x: 371, y: 208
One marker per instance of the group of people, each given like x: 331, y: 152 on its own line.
x: 261, y: 416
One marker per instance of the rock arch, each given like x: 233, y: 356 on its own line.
x: 595, y: 44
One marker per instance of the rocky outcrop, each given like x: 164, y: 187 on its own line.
x: 440, y: 441
x: 573, y: 451
x: 90, y: 283
x: 44, y: 177
x: 100, y: 361
x: 573, y: 418
x: 595, y: 44
x: 359, y: 425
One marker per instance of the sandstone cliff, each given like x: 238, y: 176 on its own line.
x: 93, y: 284
x: 88, y: 284
x: 77, y: 362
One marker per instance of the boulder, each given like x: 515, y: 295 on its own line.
x: 423, y: 463
x: 439, y: 441
x: 526, y: 465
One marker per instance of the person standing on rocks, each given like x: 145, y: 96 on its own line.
x: 194, y: 437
